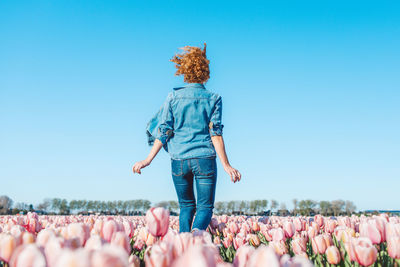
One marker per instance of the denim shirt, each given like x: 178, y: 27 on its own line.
x: 184, y: 124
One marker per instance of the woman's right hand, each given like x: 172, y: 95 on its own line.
x: 233, y: 173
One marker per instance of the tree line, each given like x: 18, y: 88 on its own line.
x: 140, y: 206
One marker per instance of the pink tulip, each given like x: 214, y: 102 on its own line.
x: 233, y: 228
x: 392, y: 229
x: 73, y: 258
x: 263, y: 256
x: 278, y: 234
x: 344, y: 234
x: 109, y: 228
x: 128, y: 228
x: 243, y: 255
x: 17, y: 231
x: 224, y: 218
x: 79, y: 231
x: 318, y: 244
x: 253, y: 240
x: 298, y: 225
x: 43, y: 236
x: 157, y: 221
x: 28, y: 238
x: 267, y: 234
x: 319, y: 220
x: 181, y: 243
x: 299, y: 245
x: 349, y: 246
x: 333, y: 255
x: 239, y: 240
x: 227, y: 242
x: 255, y: 227
x: 28, y: 256
x: 288, y: 228
x: 7, y: 246
x: 110, y: 255
x: 120, y: 239
x: 279, y: 247
x: 330, y: 226
x: 328, y: 239
x: 370, y: 230
x: 160, y: 255
x: 380, y: 223
x: 197, y: 256
x: 312, y: 232
x: 393, y: 247
x: 98, y: 227
x: 366, y: 253
x: 95, y: 242
x: 33, y: 225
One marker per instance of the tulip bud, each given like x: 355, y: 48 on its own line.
x: 333, y: 255
x: 157, y: 221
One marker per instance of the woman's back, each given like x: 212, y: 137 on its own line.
x: 193, y: 108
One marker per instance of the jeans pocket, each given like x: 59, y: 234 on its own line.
x: 206, y: 166
x: 176, y: 167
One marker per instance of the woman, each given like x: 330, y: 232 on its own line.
x: 189, y: 128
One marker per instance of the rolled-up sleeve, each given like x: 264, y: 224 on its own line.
x: 216, y: 118
x: 166, y: 127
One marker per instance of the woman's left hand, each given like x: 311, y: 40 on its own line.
x: 140, y: 165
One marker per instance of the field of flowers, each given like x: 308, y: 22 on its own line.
x: 153, y: 240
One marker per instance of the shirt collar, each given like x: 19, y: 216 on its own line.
x: 191, y: 85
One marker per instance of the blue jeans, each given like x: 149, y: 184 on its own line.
x: 204, y: 171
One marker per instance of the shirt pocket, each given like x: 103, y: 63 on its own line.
x: 206, y: 166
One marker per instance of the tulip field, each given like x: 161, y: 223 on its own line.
x: 154, y: 240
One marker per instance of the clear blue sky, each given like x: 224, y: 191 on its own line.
x: 310, y: 92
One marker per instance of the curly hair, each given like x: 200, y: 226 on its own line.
x: 192, y: 64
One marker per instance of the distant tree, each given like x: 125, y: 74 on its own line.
x: 264, y: 204
x: 103, y: 206
x: 120, y: 206
x: 325, y: 208
x: 64, y: 207
x: 162, y: 204
x: 337, y: 207
x: 174, y: 205
x: 219, y: 207
x: 56, y: 204
x: 44, y: 205
x: 74, y: 205
x: 282, y: 206
x: 242, y: 207
x: 253, y: 206
x: 90, y: 205
x: 306, y: 207
x: 21, y: 206
x: 231, y: 205
x: 295, y: 206
x: 82, y: 205
x: 137, y: 204
x: 274, y: 204
x: 5, y: 204
x: 350, y: 208
x: 146, y: 205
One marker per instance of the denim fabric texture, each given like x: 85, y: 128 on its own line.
x: 190, y: 115
x: 204, y: 172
